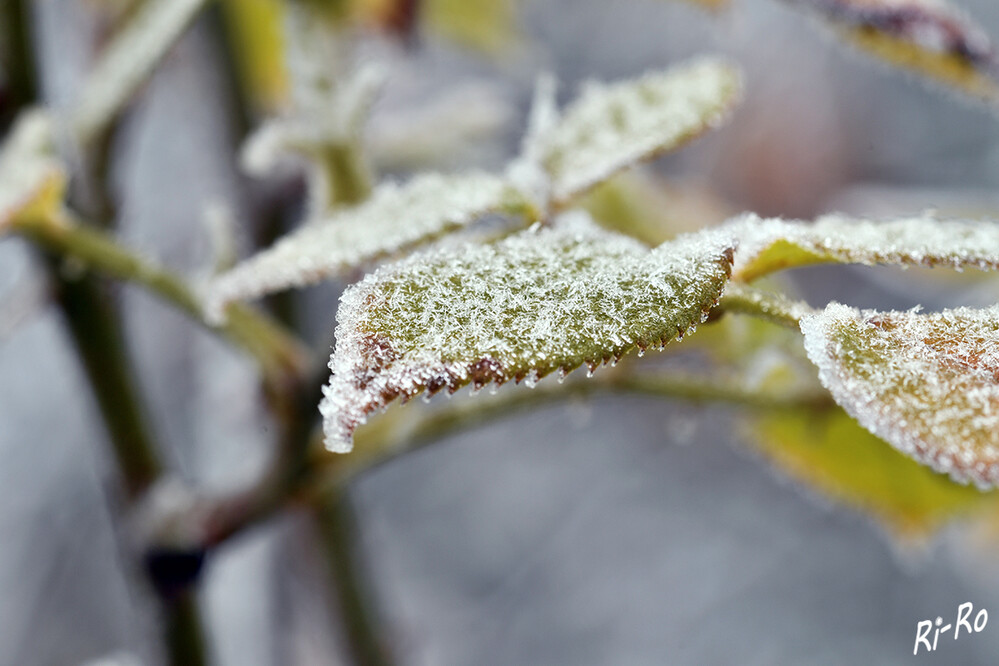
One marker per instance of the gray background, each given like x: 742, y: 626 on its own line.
x: 612, y: 531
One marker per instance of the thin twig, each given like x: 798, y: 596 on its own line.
x: 276, y: 350
x: 776, y: 308
x: 338, y: 524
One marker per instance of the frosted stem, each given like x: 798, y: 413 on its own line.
x: 776, y: 308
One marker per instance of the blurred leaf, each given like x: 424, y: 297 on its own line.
x: 257, y: 34
x: 127, y: 62
x: 771, y: 245
x: 927, y: 383
x: 611, y: 127
x: 543, y: 300
x: 831, y: 454
x: 487, y: 25
x: 930, y: 37
x: 396, y: 218
x: 32, y: 180
x: 650, y: 209
x: 324, y: 139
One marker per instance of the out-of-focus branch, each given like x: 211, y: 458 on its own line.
x: 775, y: 308
x: 93, y: 326
x: 335, y: 515
x: 278, y: 352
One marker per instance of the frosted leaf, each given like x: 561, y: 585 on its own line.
x: 546, y: 299
x: 610, y: 127
x: 769, y: 245
x: 394, y: 219
x: 527, y: 172
x: 30, y: 176
x: 318, y: 137
x: 930, y: 37
x: 128, y: 61
x: 836, y: 458
x: 926, y: 383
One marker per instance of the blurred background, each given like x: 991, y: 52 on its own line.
x: 615, y: 530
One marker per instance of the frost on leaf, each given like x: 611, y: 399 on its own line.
x: 324, y: 137
x: 128, y: 61
x: 394, y: 219
x: 770, y: 245
x: 31, y: 178
x: 614, y: 126
x: 930, y: 37
x: 540, y: 301
x: 926, y: 383
x: 831, y: 455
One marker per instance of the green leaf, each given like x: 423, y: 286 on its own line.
x: 396, y: 218
x: 32, y: 180
x: 929, y: 37
x: 653, y: 210
x: 926, y: 383
x: 543, y: 300
x: 611, y: 127
x: 831, y: 454
x: 772, y: 244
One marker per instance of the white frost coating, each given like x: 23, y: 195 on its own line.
x: 610, y: 127
x: 544, y: 300
x: 527, y: 172
x: 395, y: 218
x: 128, y: 61
x: 926, y: 383
x: 26, y: 164
x: 334, y: 119
x: 921, y: 241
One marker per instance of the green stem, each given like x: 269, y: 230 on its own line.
x: 93, y: 324
x: 347, y: 175
x: 18, y: 59
x: 775, y: 308
x: 354, y: 602
x: 278, y: 352
x: 185, y: 641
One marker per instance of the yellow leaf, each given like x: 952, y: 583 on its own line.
x: 832, y: 455
x: 930, y: 37
x: 926, y: 383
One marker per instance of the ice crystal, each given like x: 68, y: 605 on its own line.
x: 546, y: 299
x: 930, y: 37
x: 926, y: 383
x: 614, y: 126
x: 127, y: 62
x: 29, y: 173
x: 394, y: 219
x: 773, y: 244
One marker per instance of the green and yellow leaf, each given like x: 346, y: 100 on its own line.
x: 771, y: 245
x: 926, y: 383
x: 544, y: 300
x: 830, y: 454
x: 611, y: 127
x: 32, y: 179
x: 932, y: 38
